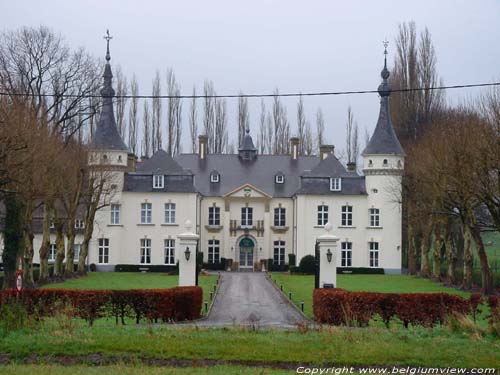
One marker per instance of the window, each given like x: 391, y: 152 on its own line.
x: 169, y: 213
x: 374, y: 217
x: 335, y: 184
x: 322, y: 215
x: 79, y: 224
x: 246, y: 216
x: 346, y: 254
x: 103, y: 250
x: 279, y: 217
x: 213, y: 215
x: 373, y: 254
x: 76, y: 249
x: 214, y: 177
x: 386, y: 163
x: 280, y: 179
x: 279, y: 252
x: 52, y: 225
x: 370, y: 163
x: 400, y: 165
x: 213, y: 251
x: 169, y: 247
x: 115, y: 214
x: 52, y: 252
x: 145, y: 250
x: 146, y: 210
x: 346, y: 216
x: 158, y: 181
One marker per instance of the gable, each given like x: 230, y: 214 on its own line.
x: 247, y: 191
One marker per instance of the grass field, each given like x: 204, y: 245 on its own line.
x: 132, y: 280
x: 302, y: 286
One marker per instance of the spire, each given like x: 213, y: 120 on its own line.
x: 247, y: 150
x: 384, y: 140
x: 106, y: 136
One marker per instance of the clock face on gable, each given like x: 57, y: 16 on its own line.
x: 247, y: 191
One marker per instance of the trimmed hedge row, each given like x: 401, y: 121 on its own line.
x: 146, y: 267
x: 174, y: 304
x: 340, y: 307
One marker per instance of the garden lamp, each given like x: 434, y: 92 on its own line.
x: 329, y: 256
x: 187, y: 253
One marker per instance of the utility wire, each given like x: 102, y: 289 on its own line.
x: 294, y: 94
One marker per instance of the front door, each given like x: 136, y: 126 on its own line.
x: 246, y: 257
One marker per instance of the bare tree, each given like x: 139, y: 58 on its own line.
x: 243, y: 117
x: 301, y: 124
x: 221, y: 135
x: 352, y: 137
x: 121, y: 101
x: 146, y: 128
x: 209, y: 113
x: 262, y: 129
x: 320, y: 128
x: 174, y: 114
x: 193, y: 122
x: 281, y: 126
x: 156, y: 129
x: 307, y: 141
x: 133, y: 117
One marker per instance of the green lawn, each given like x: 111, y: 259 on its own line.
x: 242, y: 347
x: 302, y: 286
x: 132, y: 280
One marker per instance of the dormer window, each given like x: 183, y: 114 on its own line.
x: 370, y: 163
x: 279, y: 179
x: 400, y: 165
x: 214, y: 177
x: 335, y: 184
x: 158, y: 181
x: 385, y: 163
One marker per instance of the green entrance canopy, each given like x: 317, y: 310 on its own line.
x: 246, y: 242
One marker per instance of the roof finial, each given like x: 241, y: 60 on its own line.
x: 247, y: 129
x: 384, y: 89
x: 385, y: 43
x: 108, y: 38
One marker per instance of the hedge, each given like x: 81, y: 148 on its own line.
x: 220, y: 266
x: 340, y: 307
x: 147, y: 267
x: 174, y: 304
x: 276, y: 267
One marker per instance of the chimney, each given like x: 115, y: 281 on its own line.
x: 202, y: 146
x: 325, y: 150
x: 351, y: 166
x: 131, y: 162
x: 294, y: 147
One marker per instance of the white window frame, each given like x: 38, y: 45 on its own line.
x: 77, y: 248
x: 52, y: 252
x: 346, y: 217
x: 374, y: 217
x: 170, y: 209
x: 374, y: 249
x: 246, y: 216
x: 145, y: 253
x: 103, y: 250
x: 79, y: 224
x: 52, y: 224
x: 322, y: 215
x: 280, y: 179
x: 213, y: 216
x: 279, y: 250
x: 335, y: 184
x: 346, y: 254
x: 280, y: 217
x: 115, y: 214
x: 146, y: 213
x: 158, y: 181
x: 169, y: 251
x: 214, y: 177
x: 213, y: 251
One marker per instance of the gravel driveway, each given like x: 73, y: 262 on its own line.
x: 249, y: 298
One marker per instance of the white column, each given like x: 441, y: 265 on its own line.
x: 186, y: 248
x: 328, y: 257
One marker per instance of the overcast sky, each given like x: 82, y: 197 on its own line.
x: 257, y: 45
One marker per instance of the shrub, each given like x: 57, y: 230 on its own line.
x: 221, y: 266
x: 360, y: 270
x: 340, y: 307
x: 272, y: 267
x: 307, y: 264
x: 292, y: 259
x: 494, y: 318
x: 93, y: 267
x: 13, y: 316
x: 147, y: 268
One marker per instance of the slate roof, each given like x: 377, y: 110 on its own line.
x: 329, y: 167
x: 235, y: 172
x: 352, y: 185
x: 161, y: 163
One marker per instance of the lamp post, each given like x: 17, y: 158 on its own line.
x: 329, y: 256
x: 187, y: 253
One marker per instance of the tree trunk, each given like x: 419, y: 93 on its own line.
x: 468, y: 261
x: 60, y: 248
x: 45, y: 246
x: 436, y: 253
x: 412, y: 253
x: 29, y: 251
x: 486, y: 278
x: 12, y: 239
x: 70, y: 256
x: 425, y: 245
x: 72, y: 209
x: 451, y: 257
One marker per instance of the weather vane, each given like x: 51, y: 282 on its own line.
x: 385, y: 43
x: 107, y: 37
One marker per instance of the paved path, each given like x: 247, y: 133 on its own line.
x: 249, y: 298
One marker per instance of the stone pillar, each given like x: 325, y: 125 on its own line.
x: 328, y: 251
x: 186, y: 248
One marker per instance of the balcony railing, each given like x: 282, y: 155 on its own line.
x: 256, y: 225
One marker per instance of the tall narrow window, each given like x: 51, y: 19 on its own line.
x: 246, y: 216
x: 279, y: 252
x: 145, y: 250
x: 76, y: 249
x: 213, y: 251
x: 346, y: 255
x: 346, y: 216
x: 169, y: 248
x: 335, y: 184
x: 103, y: 250
x: 146, y: 213
x: 374, y: 217
x: 158, y: 181
x: 115, y: 214
x: 52, y: 252
x: 373, y: 254
x: 169, y: 213
x: 279, y: 217
x: 322, y: 215
x: 214, y: 215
